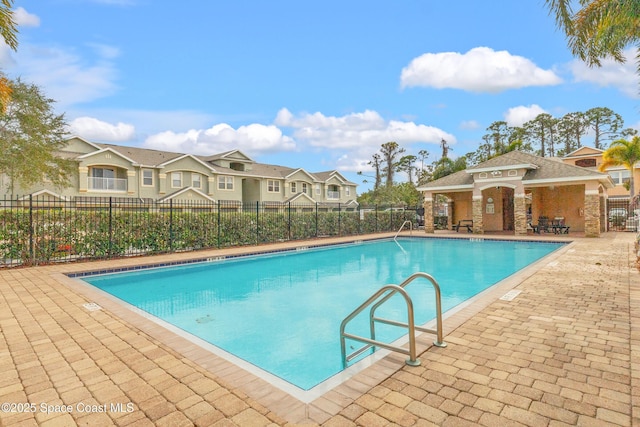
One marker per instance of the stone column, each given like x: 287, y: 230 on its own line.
x: 520, y: 214
x: 428, y: 213
x: 591, y: 213
x: 478, y: 225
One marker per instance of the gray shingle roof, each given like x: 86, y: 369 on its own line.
x: 539, y: 169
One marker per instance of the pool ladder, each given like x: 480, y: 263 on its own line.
x: 375, y: 301
x: 402, y: 228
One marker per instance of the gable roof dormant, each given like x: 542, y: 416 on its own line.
x: 110, y: 150
x: 539, y: 171
x: 232, y: 155
x: 584, y: 152
x: 143, y: 156
x: 192, y: 157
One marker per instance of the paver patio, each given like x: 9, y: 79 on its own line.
x: 565, y: 351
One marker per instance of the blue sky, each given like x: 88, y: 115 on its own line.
x: 313, y: 84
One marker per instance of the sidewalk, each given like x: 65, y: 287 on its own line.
x: 565, y: 351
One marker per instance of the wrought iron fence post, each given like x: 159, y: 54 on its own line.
x: 316, y: 219
x: 289, y: 225
x: 170, y: 225
x: 31, y: 251
x: 218, y: 202
x: 339, y: 219
x: 257, y: 222
x: 110, y: 249
x: 376, y: 221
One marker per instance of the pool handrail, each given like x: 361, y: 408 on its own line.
x: 438, y: 331
x: 391, y: 290
x: 402, y: 228
x: 412, y: 361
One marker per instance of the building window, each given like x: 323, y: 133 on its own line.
x: 620, y: 177
x: 273, y: 186
x: 293, y: 188
x: 318, y: 190
x: 347, y: 191
x: 176, y: 179
x: 305, y: 188
x: 225, y: 182
x: 196, y: 180
x: 105, y: 179
x: 333, y: 192
x: 147, y: 177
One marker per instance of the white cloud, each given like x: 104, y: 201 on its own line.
x: 469, y: 125
x: 93, y: 129
x: 624, y: 76
x: 355, y: 137
x: 367, y: 129
x: 253, y: 139
x: 517, y: 116
x: 66, y: 77
x: 480, y: 70
x: 25, y: 19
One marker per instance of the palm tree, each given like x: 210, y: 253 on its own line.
x: 600, y: 29
x: 623, y: 153
x: 8, y: 31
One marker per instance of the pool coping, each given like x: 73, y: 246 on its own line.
x: 324, y: 401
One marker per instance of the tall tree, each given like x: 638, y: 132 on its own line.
x: 30, y: 136
x: 542, y: 130
x: 623, y: 153
x: 376, y: 162
x: 600, y: 28
x: 8, y: 31
x: 390, y: 151
x: 605, y: 124
x: 407, y: 164
x: 571, y: 128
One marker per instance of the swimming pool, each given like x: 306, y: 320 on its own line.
x: 282, y: 312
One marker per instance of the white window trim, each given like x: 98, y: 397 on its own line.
x: 194, y: 181
x: 273, y: 186
x: 225, y: 180
x: 173, y: 180
x: 142, y: 178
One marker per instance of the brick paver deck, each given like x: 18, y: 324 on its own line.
x: 565, y: 351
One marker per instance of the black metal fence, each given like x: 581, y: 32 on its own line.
x: 623, y: 215
x: 40, y: 230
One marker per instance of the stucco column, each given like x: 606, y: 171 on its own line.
x: 162, y: 183
x: 428, y: 213
x: 83, y: 174
x: 591, y: 212
x: 478, y: 225
x: 211, y: 184
x: 520, y: 214
x: 131, y: 182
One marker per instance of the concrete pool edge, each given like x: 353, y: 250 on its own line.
x: 291, y: 408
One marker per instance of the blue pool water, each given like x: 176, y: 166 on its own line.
x: 282, y: 312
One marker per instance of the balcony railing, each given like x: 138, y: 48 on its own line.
x: 334, y: 195
x: 108, y: 184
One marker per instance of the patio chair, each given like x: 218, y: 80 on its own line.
x: 543, y: 224
x: 468, y: 223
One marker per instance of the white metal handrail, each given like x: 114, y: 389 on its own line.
x: 402, y: 227
x: 379, y: 298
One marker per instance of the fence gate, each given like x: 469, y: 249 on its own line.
x: 622, y: 215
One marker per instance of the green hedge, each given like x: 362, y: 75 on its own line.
x: 47, y: 235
